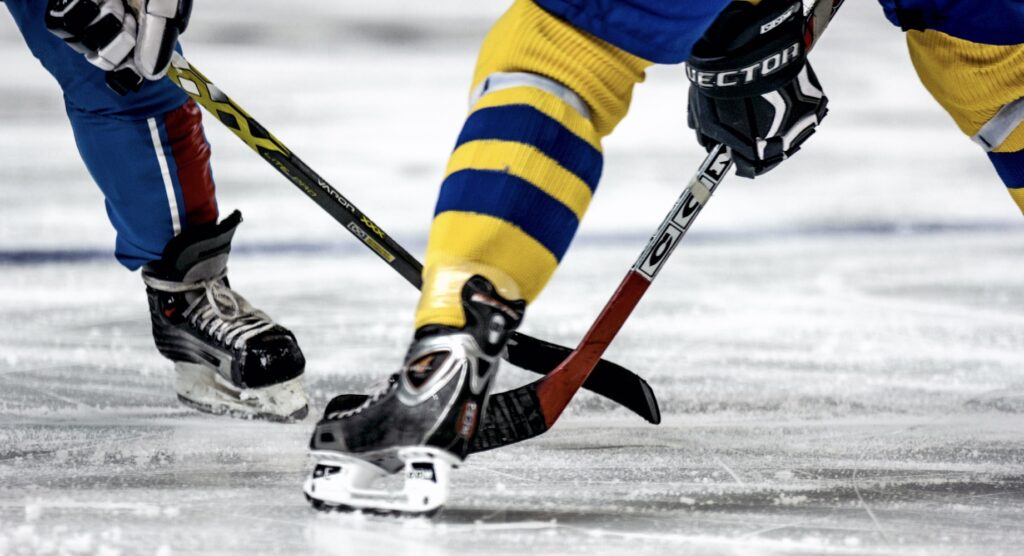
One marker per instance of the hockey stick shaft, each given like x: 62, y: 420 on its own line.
x: 282, y: 159
x: 611, y: 380
x: 532, y: 409
x: 556, y: 390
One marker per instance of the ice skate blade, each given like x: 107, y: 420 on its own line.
x: 203, y: 389
x: 344, y: 483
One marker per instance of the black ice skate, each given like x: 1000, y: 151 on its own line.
x: 421, y: 421
x: 230, y: 358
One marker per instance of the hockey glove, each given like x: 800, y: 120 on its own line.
x: 751, y: 87
x: 131, y: 40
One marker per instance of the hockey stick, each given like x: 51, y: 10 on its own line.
x: 609, y: 380
x: 532, y: 409
x: 556, y: 389
x: 552, y: 394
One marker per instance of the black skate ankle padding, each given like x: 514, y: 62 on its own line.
x: 476, y: 312
x: 195, y: 244
x: 479, y: 284
x: 481, y: 300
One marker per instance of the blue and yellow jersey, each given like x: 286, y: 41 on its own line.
x: 552, y: 79
x: 556, y: 76
x: 661, y: 31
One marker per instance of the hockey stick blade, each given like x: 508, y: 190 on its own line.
x: 635, y: 393
x: 612, y: 381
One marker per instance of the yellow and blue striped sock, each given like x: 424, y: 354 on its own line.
x: 528, y: 159
x: 975, y: 82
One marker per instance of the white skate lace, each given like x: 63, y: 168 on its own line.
x: 220, y: 312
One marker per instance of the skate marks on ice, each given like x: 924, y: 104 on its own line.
x: 836, y: 395
x: 596, y: 486
x: 848, y: 395
x: 147, y: 485
x: 680, y: 492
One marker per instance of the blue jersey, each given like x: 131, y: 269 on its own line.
x: 999, y: 22
x: 662, y: 31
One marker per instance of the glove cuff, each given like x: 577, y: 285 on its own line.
x: 749, y: 50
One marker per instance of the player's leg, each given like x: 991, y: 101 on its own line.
x: 149, y: 156
x: 522, y: 174
x: 127, y: 142
x: 551, y: 81
x: 974, y: 67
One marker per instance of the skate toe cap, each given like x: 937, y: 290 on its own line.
x: 275, y: 358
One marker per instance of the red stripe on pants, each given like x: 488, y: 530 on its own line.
x: 192, y: 157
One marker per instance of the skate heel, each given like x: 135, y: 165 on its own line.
x: 345, y: 483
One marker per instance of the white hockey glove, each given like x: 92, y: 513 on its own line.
x: 131, y: 40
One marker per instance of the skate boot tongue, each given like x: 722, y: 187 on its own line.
x: 198, y: 255
x: 194, y: 266
x: 191, y: 254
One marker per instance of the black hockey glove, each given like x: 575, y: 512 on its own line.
x: 751, y: 86
x: 131, y: 40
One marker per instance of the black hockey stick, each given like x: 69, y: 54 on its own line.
x: 609, y: 379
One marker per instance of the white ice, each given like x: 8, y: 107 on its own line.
x: 837, y: 347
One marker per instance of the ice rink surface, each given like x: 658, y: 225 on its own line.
x: 837, y: 348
